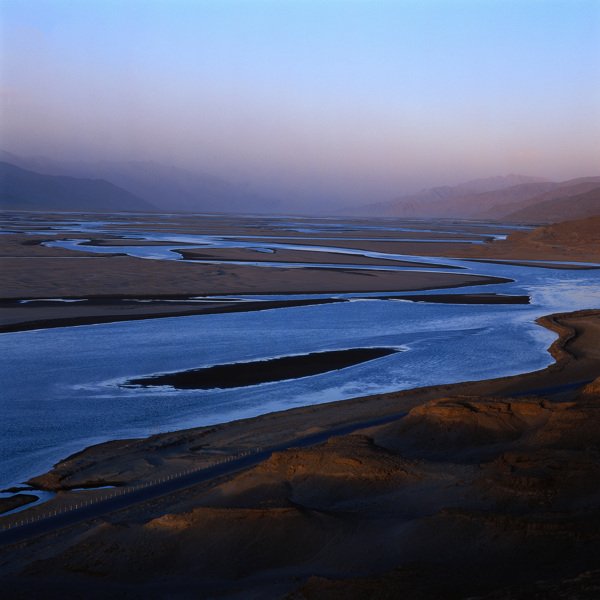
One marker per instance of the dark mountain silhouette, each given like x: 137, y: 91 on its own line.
x: 21, y: 189
x: 168, y: 188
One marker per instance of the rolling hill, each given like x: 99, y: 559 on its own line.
x: 580, y: 233
x: 551, y: 210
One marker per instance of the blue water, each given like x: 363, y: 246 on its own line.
x: 60, y: 387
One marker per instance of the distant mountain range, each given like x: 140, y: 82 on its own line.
x: 41, y: 183
x: 157, y: 186
x: 26, y: 190
x: 444, y: 200
x: 567, y: 206
x: 511, y: 198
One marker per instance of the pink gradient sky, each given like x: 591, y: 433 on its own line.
x: 338, y: 101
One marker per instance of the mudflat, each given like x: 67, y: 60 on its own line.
x: 299, y: 256
x: 29, y: 269
x: 124, y: 276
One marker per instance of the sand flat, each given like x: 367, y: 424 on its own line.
x: 123, y: 276
x: 299, y: 256
x: 29, y: 270
x: 385, y: 246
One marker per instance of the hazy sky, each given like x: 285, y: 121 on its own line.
x: 347, y: 101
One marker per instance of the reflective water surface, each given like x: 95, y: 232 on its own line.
x: 61, y: 387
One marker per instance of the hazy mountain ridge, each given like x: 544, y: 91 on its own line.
x: 40, y: 164
x: 168, y: 188
x: 173, y: 188
x: 578, y: 206
x: 565, y: 191
x: 21, y: 189
x: 538, y: 201
x: 433, y: 202
x: 499, y: 182
x: 465, y: 206
x: 149, y: 186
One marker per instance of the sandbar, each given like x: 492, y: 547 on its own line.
x: 30, y: 270
x: 48, y: 314
x: 243, y: 374
x: 121, y: 277
x: 10, y: 503
x: 463, y: 298
x: 125, y: 276
x: 300, y: 256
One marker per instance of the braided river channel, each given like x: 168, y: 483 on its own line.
x: 66, y: 388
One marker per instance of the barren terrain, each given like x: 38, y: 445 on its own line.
x: 473, y: 490
x: 482, y: 486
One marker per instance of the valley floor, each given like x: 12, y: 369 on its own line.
x: 484, y: 489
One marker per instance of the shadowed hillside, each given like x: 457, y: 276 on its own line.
x: 26, y: 190
x: 568, y: 234
x: 168, y: 188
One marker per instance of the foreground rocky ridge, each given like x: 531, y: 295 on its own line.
x: 483, y: 492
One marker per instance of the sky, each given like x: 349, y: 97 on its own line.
x: 329, y: 102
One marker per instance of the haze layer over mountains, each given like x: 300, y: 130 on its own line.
x: 513, y: 198
x: 41, y: 183
x: 151, y: 186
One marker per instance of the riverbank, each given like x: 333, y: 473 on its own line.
x: 483, y: 485
x: 126, y: 461
x: 27, y: 315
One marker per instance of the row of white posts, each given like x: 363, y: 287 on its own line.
x: 32, y: 518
